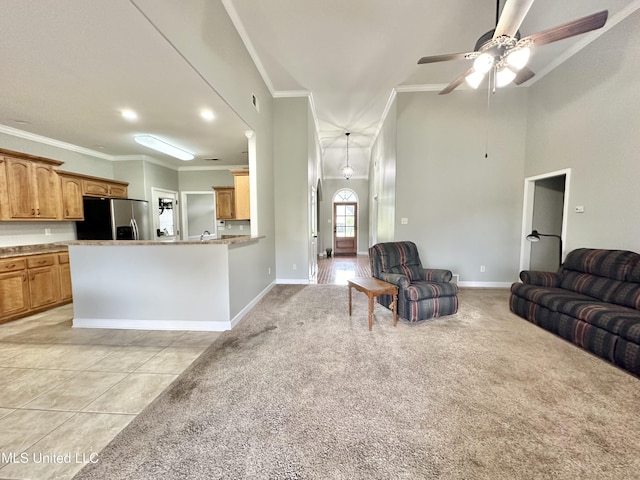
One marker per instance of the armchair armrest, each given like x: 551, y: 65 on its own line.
x: 398, y: 279
x: 437, y: 275
x: 541, y: 279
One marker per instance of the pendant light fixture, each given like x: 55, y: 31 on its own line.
x: 347, y: 170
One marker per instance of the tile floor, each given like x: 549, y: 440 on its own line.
x: 65, y: 393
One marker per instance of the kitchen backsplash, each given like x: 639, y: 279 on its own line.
x: 33, y: 233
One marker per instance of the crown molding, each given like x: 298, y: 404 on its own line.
x: 52, y: 142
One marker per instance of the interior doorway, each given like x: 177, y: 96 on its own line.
x: 545, y: 209
x: 345, y: 223
x: 165, y: 219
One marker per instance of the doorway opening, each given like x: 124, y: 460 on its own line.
x: 545, y: 209
x: 165, y: 219
x: 345, y: 222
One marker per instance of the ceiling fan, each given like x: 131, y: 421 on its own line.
x: 503, y: 51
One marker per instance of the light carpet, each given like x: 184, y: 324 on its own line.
x: 300, y: 390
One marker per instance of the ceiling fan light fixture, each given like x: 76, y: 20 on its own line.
x: 518, y: 57
x: 504, y: 76
x: 483, y: 63
x: 474, y: 79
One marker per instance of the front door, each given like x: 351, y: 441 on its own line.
x: 345, y: 231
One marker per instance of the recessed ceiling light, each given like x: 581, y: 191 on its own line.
x: 207, y: 114
x: 163, y: 147
x: 129, y: 114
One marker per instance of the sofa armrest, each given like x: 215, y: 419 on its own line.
x: 541, y: 279
x: 437, y: 275
x: 398, y: 279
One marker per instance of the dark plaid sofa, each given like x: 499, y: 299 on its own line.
x: 593, y: 301
x: 422, y: 293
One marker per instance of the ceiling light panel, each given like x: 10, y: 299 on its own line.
x: 154, y: 143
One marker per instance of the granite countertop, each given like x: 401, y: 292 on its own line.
x: 18, y: 251
x: 226, y: 240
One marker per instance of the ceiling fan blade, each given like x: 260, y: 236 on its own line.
x: 523, y: 75
x: 570, y: 29
x: 446, y: 57
x: 453, y: 85
x: 511, y: 18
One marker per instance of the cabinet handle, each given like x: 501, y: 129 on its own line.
x: 24, y: 277
x: 38, y: 212
x: 11, y: 266
x: 33, y: 277
x: 33, y: 211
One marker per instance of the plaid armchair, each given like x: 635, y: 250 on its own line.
x: 422, y: 293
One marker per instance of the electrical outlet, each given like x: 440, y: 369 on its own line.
x: 269, y: 271
x: 241, y: 227
x: 404, y: 221
x: 47, y: 231
x: 482, y: 269
x: 295, y: 266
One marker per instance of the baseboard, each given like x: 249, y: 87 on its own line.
x: 292, y: 281
x: 485, y: 284
x: 126, y: 324
x: 235, y: 320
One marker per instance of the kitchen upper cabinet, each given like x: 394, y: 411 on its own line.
x: 93, y: 187
x: 32, y: 189
x: 71, y: 188
x: 225, y: 203
x: 233, y: 203
x: 242, y: 196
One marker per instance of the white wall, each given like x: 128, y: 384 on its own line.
x: 584, y: 116
x: 382, y: 180
x: 463, y: 210
x: 291, y: 150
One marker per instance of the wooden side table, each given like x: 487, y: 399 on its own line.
x: 373, y: 287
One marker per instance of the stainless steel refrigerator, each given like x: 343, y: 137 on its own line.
x: 114, y: 219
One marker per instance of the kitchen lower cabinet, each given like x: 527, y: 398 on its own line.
x: 14, y: 291
x: 33, y: 283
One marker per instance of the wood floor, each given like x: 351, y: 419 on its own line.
x: 337, y: 270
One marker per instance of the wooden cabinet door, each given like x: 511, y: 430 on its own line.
x: 47, y: 191
x: 72, y: 198
x: 225, y: 203
x: 64, y: 274
x: 118, y: 191
x: 14, y: 293
x: 95, y: 188
x: 20, y: 189
x: 43, y: 286
x: 243, y: 204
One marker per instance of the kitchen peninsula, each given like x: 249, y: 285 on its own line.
x: 153, y: 285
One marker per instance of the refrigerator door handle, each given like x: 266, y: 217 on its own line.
x: 134, y: 227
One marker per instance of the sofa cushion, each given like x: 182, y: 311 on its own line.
x: 548, y: 297
x: 422, y: 290
x: 614, y: 264
x: 627, y: 294
x: 634, y: 273
x: 597, y: 287
x: 612, y: 318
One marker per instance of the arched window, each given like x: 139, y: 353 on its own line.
x: 344, y: 196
